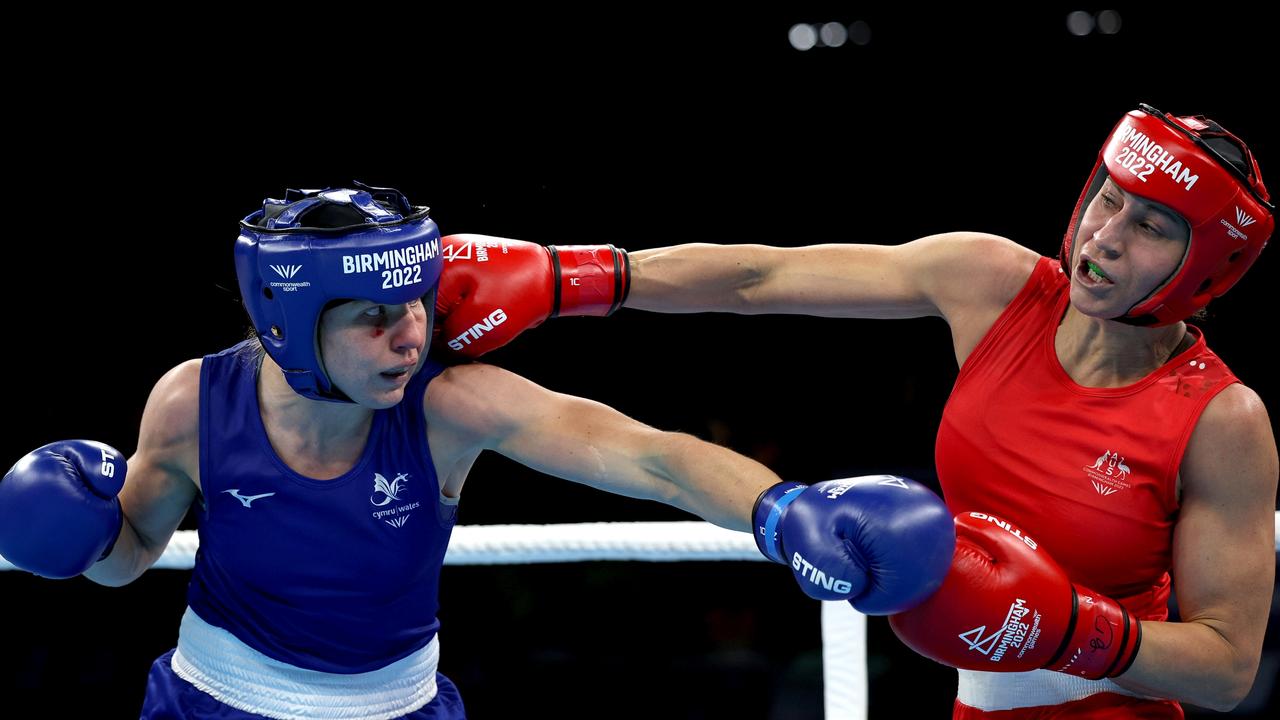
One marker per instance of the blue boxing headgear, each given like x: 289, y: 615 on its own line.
x: 296, y: 256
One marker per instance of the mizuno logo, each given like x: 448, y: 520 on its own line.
x: 286, y: 271
x: 246, y: 500
x: 1243, y: 219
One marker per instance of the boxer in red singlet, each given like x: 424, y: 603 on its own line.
x: 1093, y: 446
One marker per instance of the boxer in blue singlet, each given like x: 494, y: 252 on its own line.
x: 325, y: 458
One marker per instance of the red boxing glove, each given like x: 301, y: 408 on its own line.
x: 492, y: 289
x: 1006, y: 606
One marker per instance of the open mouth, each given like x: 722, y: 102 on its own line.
x: 1092, y: 274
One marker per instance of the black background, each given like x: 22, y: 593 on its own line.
x: 139, y: 139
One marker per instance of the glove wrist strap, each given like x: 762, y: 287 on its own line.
x: 768, y: 512
x: 589, y: 279
x: 1104, y: 637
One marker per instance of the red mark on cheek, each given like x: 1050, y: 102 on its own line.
x: 378, y: 332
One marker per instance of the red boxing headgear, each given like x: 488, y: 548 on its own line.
x: 1208, y: 176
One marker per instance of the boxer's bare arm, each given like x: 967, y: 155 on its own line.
x: 161, y: 482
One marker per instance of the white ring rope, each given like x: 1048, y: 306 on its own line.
x: 581, y: 542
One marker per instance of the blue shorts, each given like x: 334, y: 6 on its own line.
x: 169, y: 697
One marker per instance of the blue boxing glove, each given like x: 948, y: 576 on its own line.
x: 58, y: 509
x: 882, y: 542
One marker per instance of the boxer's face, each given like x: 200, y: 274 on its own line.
x: 370, y: 350
x: 1126, y: 247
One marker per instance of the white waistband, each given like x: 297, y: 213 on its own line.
x: 1010, y: 690
x: 218, y: 663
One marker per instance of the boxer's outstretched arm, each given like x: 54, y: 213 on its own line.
x: 493, y: 289
x: 883, y: 543
x: 932, y: 276
x: 587, y: 442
